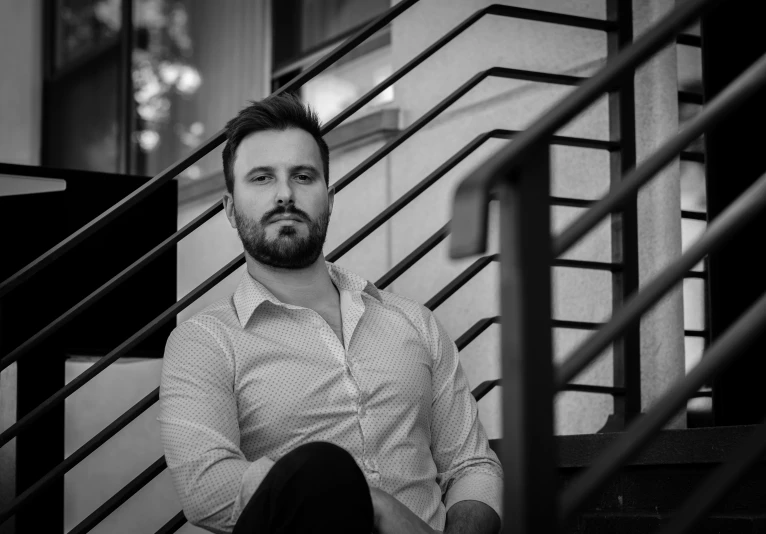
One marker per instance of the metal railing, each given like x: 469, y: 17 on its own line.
x: 519, y: 176
x: 22, y: 276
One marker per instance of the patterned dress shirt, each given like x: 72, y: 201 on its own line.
x: 249, y: 379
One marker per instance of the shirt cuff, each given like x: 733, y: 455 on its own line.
x: 481, y: 487
x: 251, y: 479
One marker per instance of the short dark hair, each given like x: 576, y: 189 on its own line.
x: 272, y: 113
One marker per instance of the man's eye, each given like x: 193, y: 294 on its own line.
x: 262, y: 178
x: 303, y: 177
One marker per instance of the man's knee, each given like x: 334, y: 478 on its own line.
x: 320, y: 459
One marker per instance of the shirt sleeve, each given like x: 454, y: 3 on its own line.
x: 467, y: 468
x: 200, y: 430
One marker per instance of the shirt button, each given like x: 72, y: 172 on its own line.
x: 370, y: 464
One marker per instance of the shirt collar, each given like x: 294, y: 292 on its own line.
x: 250, y: 293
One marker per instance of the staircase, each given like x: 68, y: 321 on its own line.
x: 590, y: 493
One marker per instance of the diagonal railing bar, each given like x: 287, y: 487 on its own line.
x: 689, y: 97
x: 696, y: 333
x: 496, y: 10
x: 474, y: 332
x: 592, y: 265
x: 694, y: 215
x: 696, y: 157
x: 689, y: 39
x: 488, y: 385
x: 82, y: 379
x: 576, y: 325
x: 602, y: 390
x: 473, y: 193
x: 79, y: 455
x: 738, y: 214
x: 413, y: 257
x: 462, y: 279
x: 494, y: 72
x: 176, y: 168
x: 733, y: 97
x: 117, y: 500
x: 716, y: 486
x: 106, y: 288
x: 569, y: 202
x: 720, y: 355
x: 485, y: 387
x: 176, y: 522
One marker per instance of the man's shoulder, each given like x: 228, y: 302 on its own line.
x: 412, y: 309
x: 400, y: 301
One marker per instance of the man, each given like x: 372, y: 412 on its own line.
x: 310, y: 401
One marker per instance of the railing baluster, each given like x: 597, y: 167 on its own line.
x: 525, y: 285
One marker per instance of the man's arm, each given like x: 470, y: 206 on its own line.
x: 472, y: 517
x: 200, y: 429
x: 468, y: 470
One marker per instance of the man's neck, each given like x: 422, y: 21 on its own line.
x: 308, y: 288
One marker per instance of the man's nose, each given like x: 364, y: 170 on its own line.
x: 284, y: 193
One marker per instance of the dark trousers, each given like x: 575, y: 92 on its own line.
x: 316, y: 488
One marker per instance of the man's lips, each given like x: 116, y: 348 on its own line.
x: 285, y: 217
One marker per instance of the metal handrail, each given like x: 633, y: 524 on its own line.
x: 209, y: 145
x: 473, y: 193
x: 176, y: 308
x: 87, y: 302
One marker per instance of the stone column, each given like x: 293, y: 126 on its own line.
x: 659, y: 215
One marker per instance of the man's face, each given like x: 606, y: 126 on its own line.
x: 280, y: 205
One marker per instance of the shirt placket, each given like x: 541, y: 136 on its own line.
x: 352, y: 309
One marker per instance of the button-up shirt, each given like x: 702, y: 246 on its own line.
x: 250, y: 378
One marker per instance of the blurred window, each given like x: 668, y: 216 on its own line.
x: 306, y: 30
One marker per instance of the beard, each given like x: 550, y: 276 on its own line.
x: 287, y: 250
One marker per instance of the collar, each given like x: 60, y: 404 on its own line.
x: 250, y: 293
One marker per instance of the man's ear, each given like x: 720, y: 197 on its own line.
x: 228, y: 207
x: 330, y: 200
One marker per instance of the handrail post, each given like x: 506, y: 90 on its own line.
x: 626, y: 352
x: 526, y: 352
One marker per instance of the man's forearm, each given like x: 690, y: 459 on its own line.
x: 472, y: 517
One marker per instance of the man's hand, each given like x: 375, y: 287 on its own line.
x: 392, y: 517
